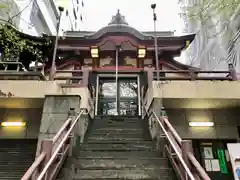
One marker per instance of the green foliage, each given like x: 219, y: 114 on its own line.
x: 212, y: 14
x: 3, y: 6
x: 211, y: 8
x: 12, y: 44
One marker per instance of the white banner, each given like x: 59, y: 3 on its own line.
x: 234, y: 153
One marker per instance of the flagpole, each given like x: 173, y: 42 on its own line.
x: 116, y: 75
x: 153, y: 6
x: 53, y: 67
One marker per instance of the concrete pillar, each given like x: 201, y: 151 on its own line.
x: 157, y: 132
x: 55, y: 113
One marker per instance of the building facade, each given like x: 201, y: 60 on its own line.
x: 37, y: 17
x: 216, y: 42
x: 114, y: 71
x: 72, y: 17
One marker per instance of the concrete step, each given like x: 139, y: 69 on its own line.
x: 118, y: 134
x: 115, y: 163
x: 119, y: 130
x: 123, y: 121
x: 124, y: 142
x: 114, y: 138
x: 123, y: 155
x: 118, y: 146
x: 117, y: 125
x: 131, y: 174
x: 116, y: 131
x: 118, y: 118
x: 16, y: 156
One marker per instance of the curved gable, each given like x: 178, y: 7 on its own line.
x: 118, y: 25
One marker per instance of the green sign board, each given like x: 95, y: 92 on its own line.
x: 222, y: 161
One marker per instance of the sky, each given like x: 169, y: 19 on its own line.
x: 138, y: 13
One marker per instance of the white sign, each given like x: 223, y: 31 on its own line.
x: 208, y: 153
x: 208, y: 165
x: 215, y: 165
x: 234, y: 152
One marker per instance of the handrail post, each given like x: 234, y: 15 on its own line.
x: 192, y: 74
x: 232, y: 72
x: 186, y: 146
x: 71, y: 114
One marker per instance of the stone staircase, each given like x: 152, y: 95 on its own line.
x: 16, y: 156
x: 117, y: 148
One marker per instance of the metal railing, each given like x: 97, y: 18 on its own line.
x: 74, y: 78
x: 54, y: 151
x: 11, y: 66
x: 194, y: 75
x: 179, y: 151
x: 17, y: 71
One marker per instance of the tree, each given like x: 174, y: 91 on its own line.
x: 12, y: 43
x: 214, y: 15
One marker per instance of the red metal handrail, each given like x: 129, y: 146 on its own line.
x: 59, y: 147
x: 171, y: 128
x: 201, y: 172
x: 34, y: 166
x: 191, y: 157
x: 62, y: 135
x: 172, y: 137
x: 62, y: 129
x: 186, y: 168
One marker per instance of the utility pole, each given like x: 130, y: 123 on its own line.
x: 53, y: 67
x: 153, y: 6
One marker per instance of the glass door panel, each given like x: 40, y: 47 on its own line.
x: 129, y: 108
x: 107, y: 89
x: 128, y: 97
x: 128, y: 88
x: 107, y: 97
x: 126, y: 92
x: 107, y: 107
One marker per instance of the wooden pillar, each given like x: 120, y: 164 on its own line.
x: 95, y: 62
x: 140, y: 62
x: 149, y: 71
x: 85, y: 75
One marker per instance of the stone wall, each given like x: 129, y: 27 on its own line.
x: 56, y: 112
x: 225, y: 123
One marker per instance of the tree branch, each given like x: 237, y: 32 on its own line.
x: 22, y: 10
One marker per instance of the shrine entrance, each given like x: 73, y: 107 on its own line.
x: 117, y: 98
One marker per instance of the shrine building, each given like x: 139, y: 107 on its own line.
x: 113, y: 75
